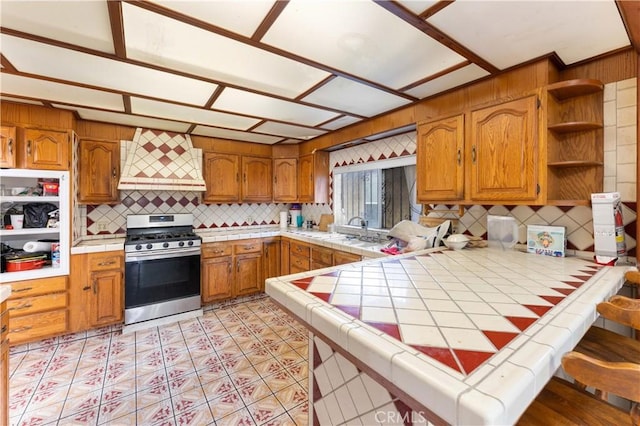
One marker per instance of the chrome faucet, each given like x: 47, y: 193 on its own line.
x: 363, y: 223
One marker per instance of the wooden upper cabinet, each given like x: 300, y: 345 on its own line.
x: 440, y: 160
x: 46, y: 149
x: 502, y: 149
x: 222, y: 177
x: 257, y: 177
x: 313, y: 178
x: 8, y: 147
x: 285, y: 184
x: 99, y: 171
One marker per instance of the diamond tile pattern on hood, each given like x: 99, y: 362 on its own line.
x: 162, y: 161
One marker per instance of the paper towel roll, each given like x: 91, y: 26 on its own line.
x: 32, y: 246
x: 283, y: 219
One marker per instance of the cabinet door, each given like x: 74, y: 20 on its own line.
x: 248, y: 274
x: 284, y: 257
x: 257, y: 178
x: 440, y: 169
x: 222, y: 177
x: 285, y: 184
x: 305, y: 179
x: 99, y: 171
x: 342, y: 257
x: 4, y: 365
x: 8, y: 147
x: 216, y: 278
x: 271, y: 260
x: 503, y: 151
x: 46, y: 149
x: 107, y: 297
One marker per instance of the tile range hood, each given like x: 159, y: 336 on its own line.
x: 161, y: 161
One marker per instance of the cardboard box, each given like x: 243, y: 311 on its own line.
x: 546, y: 240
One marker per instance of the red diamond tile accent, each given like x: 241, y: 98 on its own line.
x: 573, y: 283
x: 143, y: 201
x: 331, y: 274
x: 164, y: 148
x: 553, y: 299
x: 391, y: 329
x: 157, y: 201
x: 323, y: 296
x: 183, y: 201
x: 521, y: 322
x: 316, y: 357
x: 149, y: 147
x: 439, y: 354
x: 165, y: 160
x: 141, y: 174
x: 171, y: 201
x: 500, y: 339
x: 470, y: 360
x: 128, y: 201
x: 302, y: 283
x: 538, y: 310
x: 354, y: 311
x: 179, y: 150
x: 581, y: 277
x: 565, y: 291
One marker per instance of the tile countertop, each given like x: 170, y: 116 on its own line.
x: 473, y: 335
x: 5, y: 292
x: 335, y: 241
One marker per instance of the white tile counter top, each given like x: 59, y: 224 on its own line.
x: 472, y: 335
x: 94, y: 245
x: 5, y: 292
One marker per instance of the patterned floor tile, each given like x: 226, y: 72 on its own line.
x: 243, y: 363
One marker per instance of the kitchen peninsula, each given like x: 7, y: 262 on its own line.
x: 457, y: 337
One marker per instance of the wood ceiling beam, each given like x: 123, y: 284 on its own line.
x: 6, y: 65
x: 435, y: 9
x: 411, y: 18
x: 270, y: 19
x: 117, y: 28
x: 630, y: 13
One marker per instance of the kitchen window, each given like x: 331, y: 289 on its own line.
x: 382, y: 193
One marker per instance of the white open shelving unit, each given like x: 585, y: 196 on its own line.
x: 16, y: 238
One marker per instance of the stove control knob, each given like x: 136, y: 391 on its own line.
x: 190, y: 243
x: 138, y: 247
x: 181, y: 243
x: 165, y: 245
x: 149, y: 246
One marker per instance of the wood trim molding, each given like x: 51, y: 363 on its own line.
x: 630, y: 13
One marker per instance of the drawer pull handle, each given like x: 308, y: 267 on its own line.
x: 111, y: 262
x: 21, y: 329
x: 114, y: 172
x: 20, y: 290
x: 95, y: 287
x: 3, y: 329
x: 249, y: 247
x: 23, y: 306
x: 86, y: 288
x: 29, y: 148
x: 473, y: 154
x: 459, y: 157
x: 10, y: 145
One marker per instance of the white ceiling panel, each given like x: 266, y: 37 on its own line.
x: 235, y: 135
x: 340, y: 122
x: 19, y: 100
x: 159, y: 40
x: 241, y: 17
x: 288, y: 131
x: 263, y: 106
x: 128, y: 120
x: 56, y: 92
x: 365, y: 40
x: 83, y: 23
x: 453, y: 79
x: 41, y: 59
x: 522, y: 30
x: 190, y: 114
x: 357, y: 98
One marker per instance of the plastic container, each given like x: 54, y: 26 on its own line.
x: 502, y: 232
x: 55, y: 255
x: 17, y: 221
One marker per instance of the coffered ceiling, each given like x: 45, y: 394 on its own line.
x: 277, y: 71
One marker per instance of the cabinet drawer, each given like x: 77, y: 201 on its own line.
x: 321, y: 256
x: 299, y: 249
x: 105, y: 262
x: 342, y: 257
x: 216, y: 250
x: 247, y: 246
x: 30, y: 327
x: 299, y: 263
x: 37, y: 287
x: 31, y: 305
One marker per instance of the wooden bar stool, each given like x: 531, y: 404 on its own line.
x: 562, y: 403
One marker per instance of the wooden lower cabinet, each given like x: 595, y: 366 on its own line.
x: 321, y: 257
x: 271, y: 257
x: 4, y: 364
x: 285, y: 249
x: 300, y: 256
x: 97, y: 290
x: 343, y: 257
x: 231, y: 269
x: 38, y: 309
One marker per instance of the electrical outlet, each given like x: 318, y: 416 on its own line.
x: 250, y: 220
x: 102, y: 225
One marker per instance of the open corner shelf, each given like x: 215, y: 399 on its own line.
x: 575, y: 163
x: 574, y: 126
x: 571, y: 88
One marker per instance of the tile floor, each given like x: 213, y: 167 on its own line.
x: 238, y: 364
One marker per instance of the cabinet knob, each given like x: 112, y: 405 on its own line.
x: 113, y: 172
x: 473, y: 154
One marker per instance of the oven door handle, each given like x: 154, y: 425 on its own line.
x: 165, y: 254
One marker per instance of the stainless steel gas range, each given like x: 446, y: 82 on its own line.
x: 162, y: 267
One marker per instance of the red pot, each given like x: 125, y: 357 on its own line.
x: 18, y: 265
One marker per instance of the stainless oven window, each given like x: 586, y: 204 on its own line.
x: 160, y: 280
